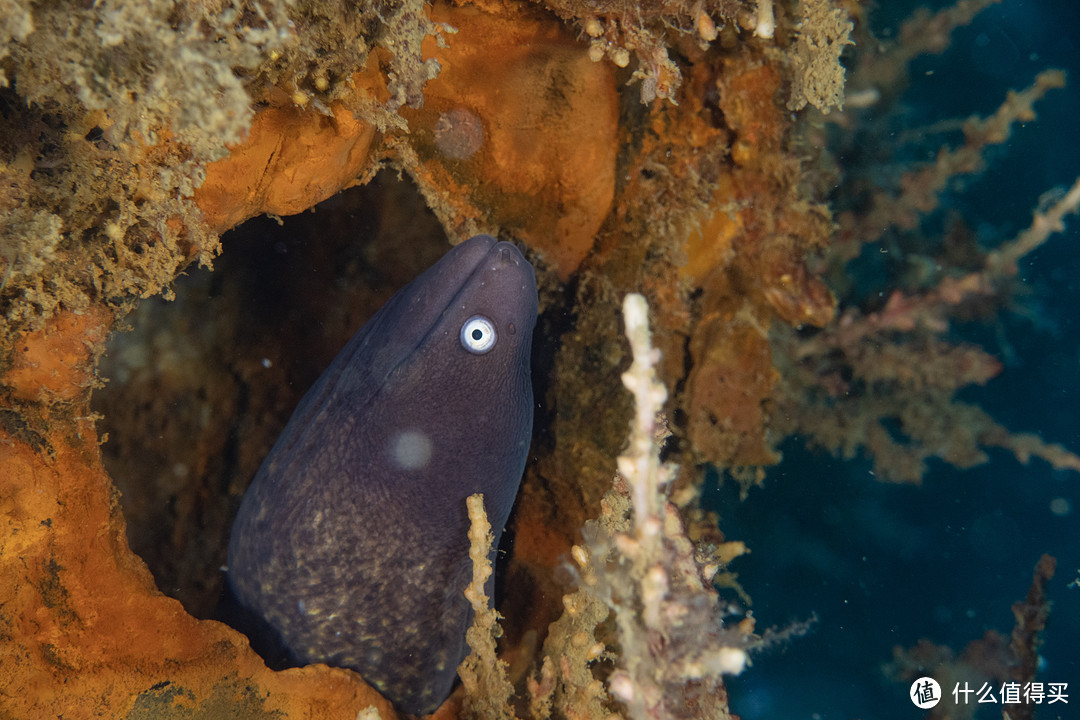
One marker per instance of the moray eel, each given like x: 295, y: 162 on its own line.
x: 352, y: 542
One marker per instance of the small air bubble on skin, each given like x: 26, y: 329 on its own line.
x: 411, y: 450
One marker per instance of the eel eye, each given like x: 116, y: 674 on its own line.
x: 478, y: 335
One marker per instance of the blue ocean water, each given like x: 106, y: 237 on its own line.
x: 885, y: 565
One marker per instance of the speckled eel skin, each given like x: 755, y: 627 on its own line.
x: 352, y: 541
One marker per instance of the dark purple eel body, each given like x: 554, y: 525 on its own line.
x: 352, y: 541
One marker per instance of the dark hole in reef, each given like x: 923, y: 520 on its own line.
x: 200, y: 387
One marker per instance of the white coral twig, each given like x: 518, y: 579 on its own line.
x: 674, y: 644
x: 641, y: 462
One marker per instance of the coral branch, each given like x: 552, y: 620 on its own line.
x: 675, y: 646
x: 990, y: 659
x: 1003, y: 260
x: 923, y: 33
x: 1030, y: 614
x: 566, y: 683
x: 642, y: 461
x: 638, y: 564
x: 919, y: 190
x: 484, y: 676
x: 867, y: 368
